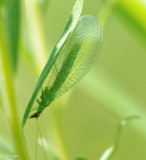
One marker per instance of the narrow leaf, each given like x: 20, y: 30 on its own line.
x: 32, y: 43
x: 10, y: 23
x: 109, y: 153
x: 55, y: 53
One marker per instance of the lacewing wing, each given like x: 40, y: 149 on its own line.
x: 74, y: 61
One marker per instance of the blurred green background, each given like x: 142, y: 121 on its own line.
x: 83, y: 121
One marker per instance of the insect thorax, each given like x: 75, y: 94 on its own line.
x: 45, y: 99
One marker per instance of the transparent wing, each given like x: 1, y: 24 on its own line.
x: 88, y: 36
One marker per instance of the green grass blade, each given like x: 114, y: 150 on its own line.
x: 106, y: 10
x: 10, y: 107
x: 10, y: 22
x: 55, y: 53
x: 109, y: 153
x: 33, y: 33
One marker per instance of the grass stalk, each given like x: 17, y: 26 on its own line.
x: 12, y: 115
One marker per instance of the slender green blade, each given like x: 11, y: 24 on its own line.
x: 109, y: 153
x: 55, y: 53
x: 9, y: 11
x: 13, y: 30
x: 32, y: 44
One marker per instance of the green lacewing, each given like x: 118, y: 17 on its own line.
x: 75, y: 14
x: 74, y: 61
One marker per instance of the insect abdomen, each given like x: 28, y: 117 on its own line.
x: 66, y: 67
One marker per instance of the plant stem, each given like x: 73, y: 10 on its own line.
x: 12, y: 112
